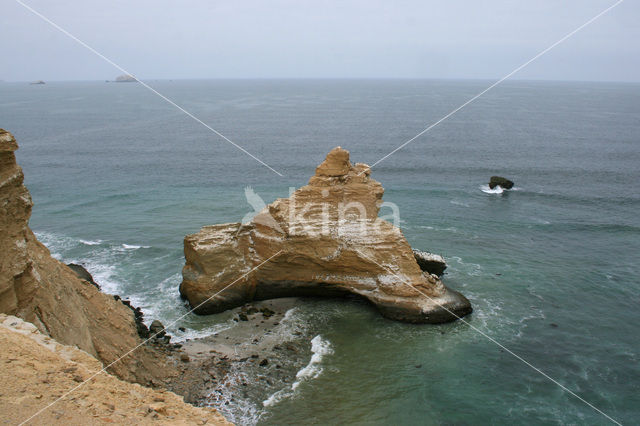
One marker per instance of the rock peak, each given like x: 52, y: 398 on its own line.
x: 335, y: 164
x: 7, y: 141
x: 336, y: 169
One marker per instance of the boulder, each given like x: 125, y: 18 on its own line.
x: 504, y: 183
x: 324, y: 240
x: 156, y: 329
x: 83, y: 274
x: 430, y: 263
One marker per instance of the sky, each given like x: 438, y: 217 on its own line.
x: 470, y: 39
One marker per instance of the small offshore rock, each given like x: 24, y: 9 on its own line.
x: 264, y: 362
x: 500, y: 181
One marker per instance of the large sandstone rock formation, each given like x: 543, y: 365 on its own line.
x: 41, y: 290
x: 324, y: 240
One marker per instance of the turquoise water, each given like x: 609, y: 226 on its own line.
x: 119, y: 177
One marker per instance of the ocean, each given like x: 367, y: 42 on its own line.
x: 119, y: 177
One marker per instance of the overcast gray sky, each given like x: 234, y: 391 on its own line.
x: 161, y: 39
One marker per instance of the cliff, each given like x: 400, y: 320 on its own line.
x: 326, y: 239
x: 41, y: 290
x: 49, y: 370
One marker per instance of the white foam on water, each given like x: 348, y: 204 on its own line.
x: 320, y: 348
x: 497, y: 190
x: 103, y: 274
x: 292, y: 322
x: 101, y: 260
x: 57, y: 244
x: 468, y: 268
x: 459, y: 203
x: 134, y: 247
x: 191, y: 334
x: 236, y: 409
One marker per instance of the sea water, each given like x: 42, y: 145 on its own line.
x: 119, y: 177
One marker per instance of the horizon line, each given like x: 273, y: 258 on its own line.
x: 549, y: 80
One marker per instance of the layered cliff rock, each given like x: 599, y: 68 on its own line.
x: 324, y: 240
x: 41, y: 290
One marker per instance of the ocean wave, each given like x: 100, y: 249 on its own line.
x: 459, y: 203
x: 436, y: 228
x: 497, y: 190
x: 473, y: 269
x: 235, y: 408
x: 319, y: 348
x: 57, y: 244
x: 134, y: 246
x: 102, y: 259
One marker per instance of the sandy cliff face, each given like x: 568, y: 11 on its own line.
x: 39, y: 289
x: 48, y: 370
x: 324, y: 240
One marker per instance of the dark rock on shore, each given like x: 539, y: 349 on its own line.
x: 504, y: 183
x: 429, y: 262
x: 83, y: 274
x: 157, y: 329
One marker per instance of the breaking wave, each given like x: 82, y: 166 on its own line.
x: 497, y: 190
x: 320, y: 348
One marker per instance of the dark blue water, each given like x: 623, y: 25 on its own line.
x: 119, y: 177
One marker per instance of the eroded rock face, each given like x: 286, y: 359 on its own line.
x: 324, y: 240
x: 39, y: 289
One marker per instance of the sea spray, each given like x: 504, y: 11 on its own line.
x: 497, y: 190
